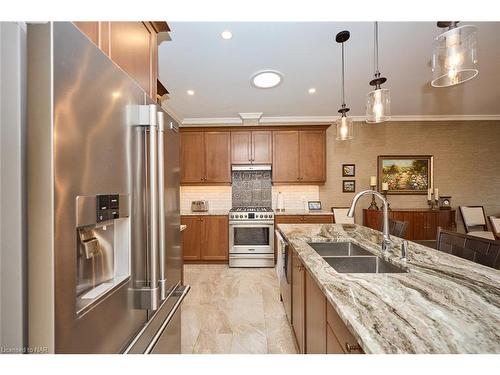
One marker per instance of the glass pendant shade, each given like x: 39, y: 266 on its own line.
x: 344, y: 128
x: 454, y: 57
x: 378, y: 106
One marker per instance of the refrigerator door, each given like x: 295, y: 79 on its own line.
x: 98, y: 154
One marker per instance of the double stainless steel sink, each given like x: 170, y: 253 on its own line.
x: 347, y: 257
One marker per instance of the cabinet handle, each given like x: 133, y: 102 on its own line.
x: 352, y: 348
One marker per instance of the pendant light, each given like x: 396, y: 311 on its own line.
x: 344, y: 123
x: 378, y: 101
x: 454, y: 55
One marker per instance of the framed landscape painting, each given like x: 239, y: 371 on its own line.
x: 405, y: 174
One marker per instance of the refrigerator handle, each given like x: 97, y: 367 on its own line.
x: 161, y: 206
x: 153, y: 205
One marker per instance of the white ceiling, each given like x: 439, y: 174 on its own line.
x: 306, y: 53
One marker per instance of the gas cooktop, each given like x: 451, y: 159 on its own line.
x: 251, y: 209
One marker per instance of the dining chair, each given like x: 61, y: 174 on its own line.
x: 396, y: 227
x: 340, y: 215
x: 475, y: 222
x: 476, y: 249
x: 495, y: 226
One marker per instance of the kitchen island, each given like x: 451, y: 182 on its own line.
x: 443, y: 304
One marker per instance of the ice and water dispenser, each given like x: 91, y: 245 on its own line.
x: 103, y: 247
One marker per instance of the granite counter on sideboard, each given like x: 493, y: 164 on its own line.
x: 444, y: 304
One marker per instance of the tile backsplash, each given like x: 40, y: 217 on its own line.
x: 219, y: 197
x: 252, y: 188
x: 295, y: 195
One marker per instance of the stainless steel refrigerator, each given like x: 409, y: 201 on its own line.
x: 104, y: 255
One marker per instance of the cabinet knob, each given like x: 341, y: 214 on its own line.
x: 352, y: 348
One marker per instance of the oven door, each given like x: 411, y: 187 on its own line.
x: 251, y: 238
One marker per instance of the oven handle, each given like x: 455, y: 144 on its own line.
x: 251, y: 223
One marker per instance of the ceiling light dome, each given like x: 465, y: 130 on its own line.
x: 267, y: 79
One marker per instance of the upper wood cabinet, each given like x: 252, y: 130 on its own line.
x: 205, y: 158
x: 299, y: 156
x: 131, y: 45
x: 251, y: 147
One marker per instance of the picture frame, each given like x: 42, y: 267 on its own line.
x: 348, y: 186
x: 405, y: 174
x: 314, y: 205
x: 348, y: 170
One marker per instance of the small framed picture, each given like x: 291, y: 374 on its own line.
x: 314, y: 205
x: 348, y: 186
x: 348, y: 170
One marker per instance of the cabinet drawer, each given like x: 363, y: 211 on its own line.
x: 318, y: 219
x: 340, y: 331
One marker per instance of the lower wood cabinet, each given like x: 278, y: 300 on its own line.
x: 206, y: 238
x: 422, y: 223
x: 315, y: 319
x: 298, y: 302
x: 317, y: 327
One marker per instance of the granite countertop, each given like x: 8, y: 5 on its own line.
x: 302, y: 212
x: 209, y: 212
x: 183, y: 227
x: 444, y: 304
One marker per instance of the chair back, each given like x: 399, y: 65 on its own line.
x: 396, y: 227
x: 495, y: 226
x: 340, y: 215
x: 473, y: 218
x: 475, y: 249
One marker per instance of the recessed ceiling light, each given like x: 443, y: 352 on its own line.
x: 267, y: 79
x: 190, y: 92
x: 312, y: 90
x: 226, y: 34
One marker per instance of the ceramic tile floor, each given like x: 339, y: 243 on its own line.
x: 234, y: 310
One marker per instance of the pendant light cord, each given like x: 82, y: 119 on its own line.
x: 343, y: 95
x: 375, y: 52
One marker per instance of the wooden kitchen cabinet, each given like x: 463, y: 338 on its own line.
x: 206, y: 238
x: 251, y: 147
x: 205, y: 158
x: 190, y: 238
x: 315, y: 317
x: 131, y: 45
x: 345, y: 340
x: 298, y: 302
x: 299, y: 156
x: 286, y: 156
x: 303, y: 219
x: 422, y: 223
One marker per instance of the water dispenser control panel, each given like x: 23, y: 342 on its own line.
x: 108, y: 207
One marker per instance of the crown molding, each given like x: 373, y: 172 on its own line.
x: 286, y: 120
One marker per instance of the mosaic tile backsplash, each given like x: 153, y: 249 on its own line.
x: 252, y: 188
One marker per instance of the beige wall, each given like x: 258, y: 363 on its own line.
x: 466, y: 161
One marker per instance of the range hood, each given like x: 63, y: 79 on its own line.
x: 251, y: 167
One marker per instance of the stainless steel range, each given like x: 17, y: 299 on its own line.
x: 251, y: 232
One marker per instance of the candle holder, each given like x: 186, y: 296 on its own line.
x: 384, y: 193
x: 432, y: 203
x: 373, y: 204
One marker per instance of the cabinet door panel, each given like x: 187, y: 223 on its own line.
x: 132, y: 46
x: 298, y: 301
x: 286, y: 156
x: 332, y: 345
x: 341, y: 332
x: 241, y: 152
x: 312, y: 156
x: 315, y: 303
x: 190, y: 237
x: 215, y: 238
x: 192, y: 157
x: 262, y: 147
x: 218, y: 157
x: 288, y: 219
